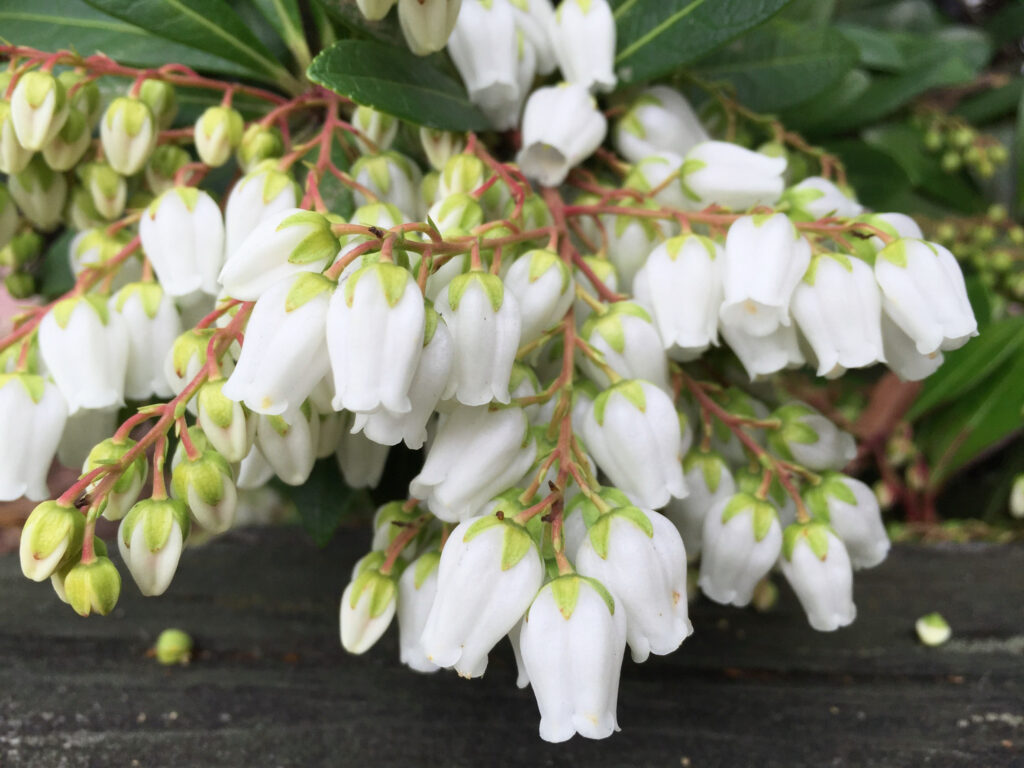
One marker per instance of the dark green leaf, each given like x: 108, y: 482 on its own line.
x: 905, y: 15
x: 656, y: 36
x: 286, y: 17
x: 347, y: 13
x: 55, y: 277
x: 817, y: 115
x: 1018, y: 155
x: 969, y: 366
x: 1007, y: 25
x: 992, y: 105
x: 781, y: 64
x: 878, y: 179
x: 49, y: 24
x: 878, y: 48
x: 206, y: 25
x: 395, y: 81
x: 324, y: 501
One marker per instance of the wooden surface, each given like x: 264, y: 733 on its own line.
x: 272, y: 687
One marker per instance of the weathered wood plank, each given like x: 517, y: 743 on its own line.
x: 271, y: 686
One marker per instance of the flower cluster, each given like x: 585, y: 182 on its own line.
x: 538, y: 340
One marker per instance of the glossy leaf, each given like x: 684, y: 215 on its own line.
x: 781, y: 64
x: 656, y: 36
x: 206, y: 25
x: 395, y: 81
x: 77, y: 25
x: 347, y: 13
x: 324, y: 501
x: 286, y: 18
x: 56, y: 277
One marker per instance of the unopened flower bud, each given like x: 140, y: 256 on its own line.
x: 542, y: 285
x: 51, y: 536
x: 83, y: 94
x: 218, y: 133
x: 417, y: 588
x: 852, y: 510
x: 206, y: 484
x: 261, y: 193
x: 742, y: 540
x: 173, y: 646
x: 40, y: 193
x: 39, y: 107
x: 182, y: 234
x: 360, y: 460
x: 162, y: 167
x: 13, y: 156
x: 427, y: 24
x: 93, y: 587
x: 259, y: 143
x: 630, y: 344
x: 150, y: 539
x: 367, y: 607
x: 932, y: 629
x: 731, y: 176
x: 125, y: 491
x: 374, y: 10
x: 378, y: 128
x: 561, y: 127
x: 162, y: 101
x: 224, y: 422
x: 67, y: 147
x: 392, y: 178
x: 128, y: 131
x: 439, y: 145
x: 810, y: 439
x: 659, y: 120
x: 815, y: 563
x: 709, y: 482
x: 107, y: 188
x: 1017, y: 497
x: 289, y: 444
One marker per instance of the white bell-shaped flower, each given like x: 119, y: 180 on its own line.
x: 40, y: 194
x: 283, y: 244
x: 851, y: 509
x: 285, y: 351
x: 69, y: 145
x: 428, y: 382
x: 288, y: 443
x: 709, y: 481
x: 535, y: 20
x: 633, y: 433
x: 484, y: 48
x: 542, y: 285
x: 375, y: 326
x: 765, y: 258
x: 896, y: 224
x: 815, y: 563
x: 150, y: 539
x: 489, y: 574
x: 562, y: 127
x: 639, y: 555
x: 742, y: 541
x: 839, y: 310
x: 374, y: 126
x: 810, y: 439
x: 717, y: 172
x: 368, y: 605
x: 259, y: 194
x: 39, y: 107
x: 581, y: 513
x: 659, y: 120
x: 229, y: 429
x: 816, y: 197
x: 128, y: 133
x: 923, y: 291
x: 392, y: 178
x: 107, y: 189
x: 153, y: 325
x: 626, y: 337
x: 476, y: 454
x: 182, y: 234
x: 206, y: 483
x: 218, y: 132
x: 85, y: 348
x: 681, y: 283
x: 427, y: 24
x: 254, y: 471
x: 484, y: 321
x: 572, y: 642
x: 360, y: 460
x: 94, y: 248
x: 417, y: 588
x: 440, y: 146
x: 764, y: 355
x: 13, y: 157
x: 32, y: 419
x: 584, y: 36
x: 901, y: 353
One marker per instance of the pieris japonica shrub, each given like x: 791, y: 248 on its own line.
x: 583, y: 325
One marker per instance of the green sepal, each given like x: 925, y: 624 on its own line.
x: 319, y: 244
x: 762, y: 513
x: 541, y: 260
x: 51, y: 523
x: 207, y: 475
x: 95, y: 585
x: 34, y: 385
x: 307, y: 286
x: 135, y: 112
x: 425, y: 565
x: 631, y: 389
x: 392, y: 278
x: 157, y: 516
x: 711, y: 465
x: 609, y: 324
x: 150, y: 294
x: 36, y: 86
x: 601, y: 530
x: 192, y: 343
x: 832, y: 485
x: 565, y: 590
x: 812, y: 271
x: 459, y: 213
x: 516, y: 541
x: 463, y: 173
x: 895, y: 253
x: 63, y: 310
x: 212, y: 402
x: 792, y: 429
x: 430, y: 319
x: 491, y: 285
x: 588, y: 509
x: 383, y: 591
x: 674, y: 245
x: 814, y: 533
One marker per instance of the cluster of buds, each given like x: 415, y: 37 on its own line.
x: 959, y: 145
x: 536, y: 338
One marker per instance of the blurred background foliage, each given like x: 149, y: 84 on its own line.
x: 922, y: 100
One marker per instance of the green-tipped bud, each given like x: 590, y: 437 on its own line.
x: 126, y: 490
x: 67, y: 147
x: 440, y: 146
x: 107, y: 188
x: 378, y: 127
x: 83, y: 95
x: 933, y: 629
x: 20, y: 285
x: 52, y: 534
x: 162, y: 101
x: 225, y: 422
x: 39, y: 108
x: 40, y: 193
x: 259, y: 143
x: 207, y: 485
x: 58, y: 577
x: 218, y: 133
x: 128, y: 132
x: 462, y: 173
x: 173, y: 646
x: 150, y: 540
x: 13, y: 156
x: 93, y: 587
x: 367, y: 607
x: 163, y: 165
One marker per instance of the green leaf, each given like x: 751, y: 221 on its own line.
x: 1006, y: 24
x: 1018, y: 153
x: 781, y: 64
x: 206, y: 25
x: 876, y: 175
x: 56, y: 275
x: 967, y: 367
x: 656, y: 36
x: 78, y: 26
x: 324, y: 501
x: 396, y: 81
x: 817, y: 115
x: 347, y: 13
x: 992, y: 104
x: 286, y: 19
x: 877, y: 48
